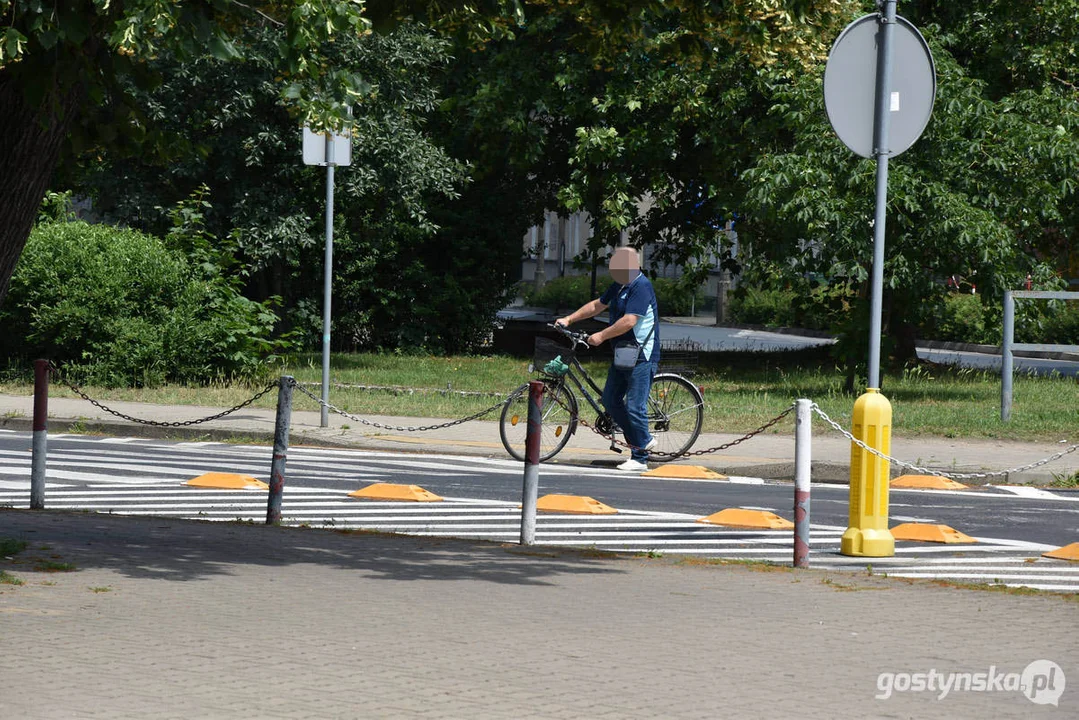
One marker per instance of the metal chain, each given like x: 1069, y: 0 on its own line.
x: 55, y: 371
x: 929, y: 471
x: 401, y: 389
x: 401, y: 428
x: 695, y: 453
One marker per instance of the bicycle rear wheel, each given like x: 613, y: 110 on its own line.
x: 559, y: 421
x: 675, y: 415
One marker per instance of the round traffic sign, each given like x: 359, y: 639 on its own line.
x: 850, y: 80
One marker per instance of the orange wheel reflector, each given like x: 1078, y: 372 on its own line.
x: 514, y: 419
x: 558, y: 431
x: 663, y: 393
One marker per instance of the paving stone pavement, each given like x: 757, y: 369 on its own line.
x: 179, y: 619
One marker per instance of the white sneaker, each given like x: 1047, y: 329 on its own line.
x: 632, y: 465
x: 650, y: 446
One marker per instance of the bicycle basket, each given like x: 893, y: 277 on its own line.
x: 679, y: 356
x: 548, y: 350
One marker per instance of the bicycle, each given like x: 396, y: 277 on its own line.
x: 675, y: 405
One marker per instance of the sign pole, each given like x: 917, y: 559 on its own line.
x: 877, y: 114
x: 867, y: 534
x: 327, y: 283
x: 882, y: 120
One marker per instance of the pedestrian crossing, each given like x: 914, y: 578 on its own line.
x: 636, y: 532
x: 142, y: 478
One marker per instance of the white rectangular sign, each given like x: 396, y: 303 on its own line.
x: 314, y: 148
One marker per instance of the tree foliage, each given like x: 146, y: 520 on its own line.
x: 238, y: 140
x: 975, y: 196
x: 609, y: 103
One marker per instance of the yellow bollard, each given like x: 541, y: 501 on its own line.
x: 868, y: 534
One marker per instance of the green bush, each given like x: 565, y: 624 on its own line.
x: 675, y: 299
x: 564, y: 293
x: 758, y: 306
x: 573, y: 291
x: 1062, y: 327
x: 962, y: 319
x: 1055, y: 322
x: 117, y: 307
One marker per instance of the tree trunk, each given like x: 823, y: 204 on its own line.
x: 31, y: 139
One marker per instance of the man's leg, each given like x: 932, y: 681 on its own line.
x: 614, y: 395
x: 640, y: 384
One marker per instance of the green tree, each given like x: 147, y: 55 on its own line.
x: 237, y: 139
x: 600, y: 105
x: 972, y: 197
x: 65, y: 69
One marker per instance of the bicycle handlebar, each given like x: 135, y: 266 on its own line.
x: 578, y: 338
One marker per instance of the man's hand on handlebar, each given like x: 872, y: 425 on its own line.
x: 578, y: 338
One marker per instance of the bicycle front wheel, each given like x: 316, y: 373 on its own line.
x: 675, y: 415
x: 559, y: 421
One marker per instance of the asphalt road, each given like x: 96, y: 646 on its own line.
x: 744, y: 340
x: 78, y: 462
x: 984, y: 361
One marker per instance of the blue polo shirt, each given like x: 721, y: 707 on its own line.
x: 636, y: 298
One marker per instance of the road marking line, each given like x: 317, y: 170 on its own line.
x: 1028, y: 492
x: 1026, y: 567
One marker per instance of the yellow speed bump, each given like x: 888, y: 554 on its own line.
x: 926, y: 532
x: 390, y: 491
x: 926, y: 482
x: 693, y: 472
x: 227, y: 481
x: 1068, y: 552
x: 752, y: 519
x: 575, y: 504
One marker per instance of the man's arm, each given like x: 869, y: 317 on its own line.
x: 586, y: 311
x: 624, y: 324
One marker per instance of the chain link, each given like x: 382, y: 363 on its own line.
x: 402, y: 428
x: 929, y: 471
x: 55, y: 371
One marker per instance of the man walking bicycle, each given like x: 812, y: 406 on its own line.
x: 633, y: 329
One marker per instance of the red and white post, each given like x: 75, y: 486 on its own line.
x: 803, y: 438
x: 41, y: 433
x: 532, y: 452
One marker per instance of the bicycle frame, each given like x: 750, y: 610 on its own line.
x: 575, y: 363
x: 654, y: 411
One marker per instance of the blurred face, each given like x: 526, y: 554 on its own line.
x: 625, y: 265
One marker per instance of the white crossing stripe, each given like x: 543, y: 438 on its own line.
x: 138, y: 477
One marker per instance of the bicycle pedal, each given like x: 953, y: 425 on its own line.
x: 616, y: 448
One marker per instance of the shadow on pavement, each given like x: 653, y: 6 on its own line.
x: 167, y: 549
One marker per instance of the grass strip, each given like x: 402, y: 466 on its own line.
x: 742, y: 391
